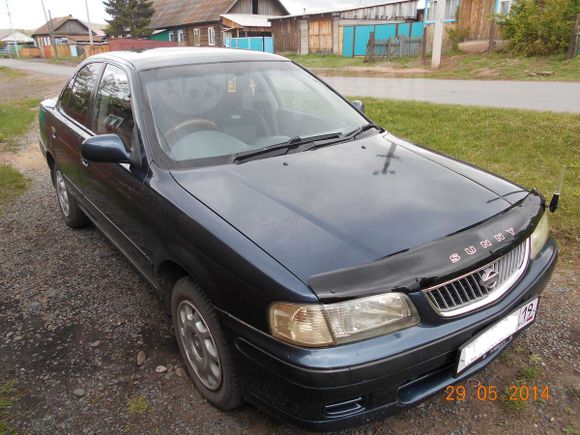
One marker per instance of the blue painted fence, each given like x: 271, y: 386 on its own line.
x: 356, y: 38
x: 254, y: 43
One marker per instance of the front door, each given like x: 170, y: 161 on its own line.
x: 114, y: 190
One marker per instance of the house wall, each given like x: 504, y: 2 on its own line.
x: 72, y: 27
x: 162, y: 36
x: 320, y: 35
x: 475, y: 16
x: 265, y: 7
x: 204, y: 38
x: 405, y: 10
x: 286, y: 34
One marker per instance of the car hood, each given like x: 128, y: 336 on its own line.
x: 349, y: 204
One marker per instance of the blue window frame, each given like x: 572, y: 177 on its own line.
x: 450, y: 11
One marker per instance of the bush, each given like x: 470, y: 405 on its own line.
x: 540, y: 28
x: 457, y: 35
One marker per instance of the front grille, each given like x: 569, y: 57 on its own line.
x: 475, y: 289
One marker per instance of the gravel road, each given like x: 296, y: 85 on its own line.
x: 74, y: 316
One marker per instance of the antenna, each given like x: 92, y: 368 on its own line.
x: 556, y: 197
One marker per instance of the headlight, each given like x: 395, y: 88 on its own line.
x: 540, y: 236
x: 318, y: 325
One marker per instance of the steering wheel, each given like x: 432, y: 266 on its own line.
x: 196, y: 124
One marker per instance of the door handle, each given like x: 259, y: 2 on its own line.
x: 84, y: 162
x: 53, y: 132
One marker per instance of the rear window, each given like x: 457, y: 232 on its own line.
x: 76, y: 97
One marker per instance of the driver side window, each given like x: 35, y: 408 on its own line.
x: 113, y: 114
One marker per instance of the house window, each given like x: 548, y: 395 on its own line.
x: 255, y: 7
x: 450, y: 10
x: 171, y: 37
x: 504, y: 6
x: 211, y: 36
x: 197, y: 37
x: 180, y: 36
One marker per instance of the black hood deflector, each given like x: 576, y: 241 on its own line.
x: 437, y: 261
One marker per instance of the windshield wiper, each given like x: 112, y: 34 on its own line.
x: 353, y: 134
x: 344, y: 137
x: 294, y: 142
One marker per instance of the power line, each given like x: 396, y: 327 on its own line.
x: 13, y: 30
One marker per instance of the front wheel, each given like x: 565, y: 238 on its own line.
x: 73, y: 215
x: 203, y: 346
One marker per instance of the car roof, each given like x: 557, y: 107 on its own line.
x: 175, y: 56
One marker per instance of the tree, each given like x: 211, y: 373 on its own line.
x: 540, y: 27
x: 129, y: 17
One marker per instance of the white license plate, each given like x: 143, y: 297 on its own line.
x: 496, y: 335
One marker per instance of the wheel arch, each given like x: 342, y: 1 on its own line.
x: 169, y: 272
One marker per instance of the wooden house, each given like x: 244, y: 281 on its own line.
x: 67, y: 30
x: 470, y: 18
x: 205, y: 23
x: 336, y: 31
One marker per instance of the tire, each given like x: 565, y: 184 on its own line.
x: 69, y: 207
x: 203, y: 346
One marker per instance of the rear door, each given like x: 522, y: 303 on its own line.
x: 114, y: 190
x: 71, y: 126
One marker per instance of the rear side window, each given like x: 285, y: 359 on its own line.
x: 76, y: 97
x: 113, y: 113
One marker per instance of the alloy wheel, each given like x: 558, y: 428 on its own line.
x: 199, y: 346
x: 62, y: 194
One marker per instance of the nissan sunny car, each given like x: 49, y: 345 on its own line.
x: 313, y: 264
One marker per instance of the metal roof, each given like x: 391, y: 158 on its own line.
x: 248, y: 20
x: 7, y: 35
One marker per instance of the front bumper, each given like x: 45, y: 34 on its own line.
x: 353, y: 384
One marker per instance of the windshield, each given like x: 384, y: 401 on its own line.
x: 224, y: 109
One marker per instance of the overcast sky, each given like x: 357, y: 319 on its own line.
x: 27, y: 14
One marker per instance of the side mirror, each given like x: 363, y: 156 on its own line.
x: 105, y: 148
x: 359, y: 105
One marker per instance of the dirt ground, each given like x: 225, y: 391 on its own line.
x: 74, y: 315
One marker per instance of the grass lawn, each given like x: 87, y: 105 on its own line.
x: 495, y: 66
x: 12, y: 183
x: 505, y: 66
x: 327, y: 60
x: 15, y: 118
x: 527, y: 147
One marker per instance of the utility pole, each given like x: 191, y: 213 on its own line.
x: 89, y: 23
x: 438, y: 34
x: 13, y: 31
x: 48, y: 19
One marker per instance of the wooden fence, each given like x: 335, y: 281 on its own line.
x: 29, y: 52
x: 88, y: 51
x: 393, y: 47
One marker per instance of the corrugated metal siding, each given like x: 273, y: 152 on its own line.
x: 405, y: 10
